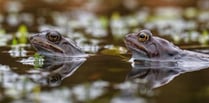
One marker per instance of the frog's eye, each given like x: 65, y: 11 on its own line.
x: 143, y: 37
x: 53, y: 37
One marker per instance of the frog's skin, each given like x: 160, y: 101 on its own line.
x: 52, y: 43
x: 145, y: 46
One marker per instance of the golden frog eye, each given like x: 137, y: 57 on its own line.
x: 143, y: 37
x: 54, y: 37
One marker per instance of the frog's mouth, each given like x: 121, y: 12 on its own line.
x: 137, y: 50
x: 44, y: 47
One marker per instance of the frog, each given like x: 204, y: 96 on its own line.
x: 51, y: 43
x: 145, y: 46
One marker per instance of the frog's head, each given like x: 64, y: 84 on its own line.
x: 51, y: 42
x: 144, y: 45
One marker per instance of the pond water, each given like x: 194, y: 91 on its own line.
x: 107, y: 75
x: 97, y: 79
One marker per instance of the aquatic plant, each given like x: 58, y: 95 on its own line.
x: 14, y: 41
x: 104, y: 21
x: 204, y: 38
x: 22, y: 34
x: 38, y: 61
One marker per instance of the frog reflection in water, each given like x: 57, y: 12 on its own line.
x: 154, y: 76
x: 145, y: 46
x: 52, y: 43
x: 57, y: 70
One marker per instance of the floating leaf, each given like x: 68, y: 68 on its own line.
x: 114, y: 50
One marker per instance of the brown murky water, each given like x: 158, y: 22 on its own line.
x: 98, y: 79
